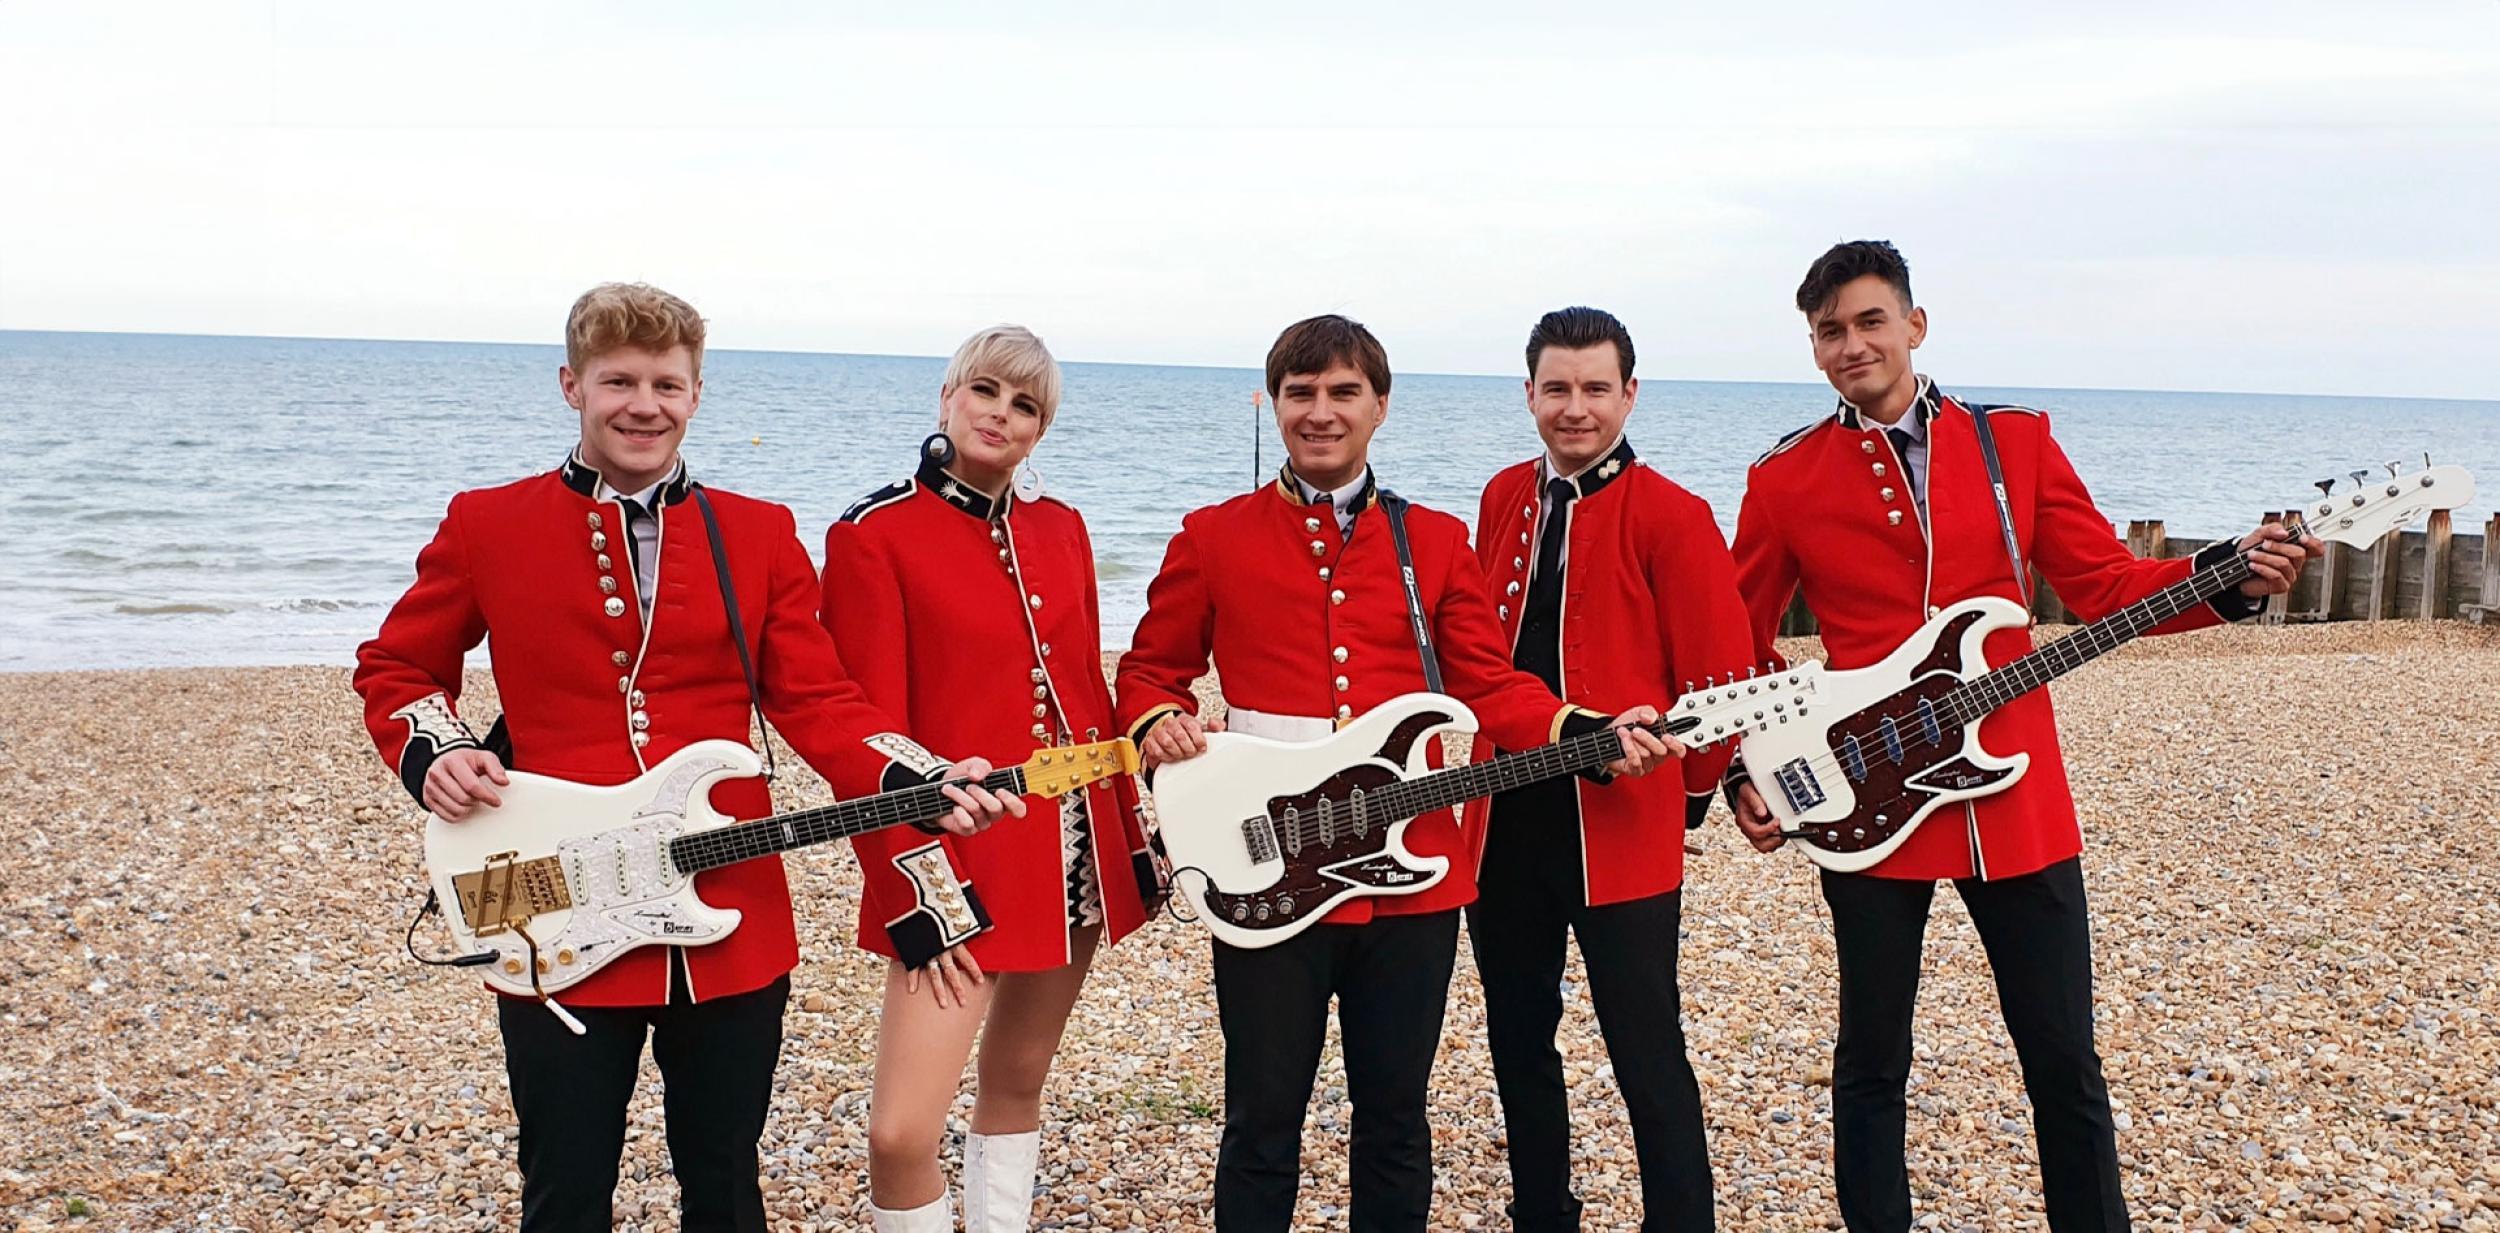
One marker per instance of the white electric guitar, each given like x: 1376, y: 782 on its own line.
x: 1266, y: 836
x: 562, y: 878
x: 1850, y: 762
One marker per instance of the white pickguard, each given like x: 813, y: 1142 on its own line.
x: 1840, y: 695
x: 1203, y: 802
x: 612, y: 845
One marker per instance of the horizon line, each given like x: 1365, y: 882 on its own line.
x: 881, y: 355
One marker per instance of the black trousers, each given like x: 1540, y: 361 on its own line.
x: 2037, y: 932
x: 716, y: 1061
x: 1529, y: 894
x: 1391, y: 980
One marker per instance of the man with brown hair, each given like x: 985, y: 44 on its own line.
x: 1614, y: 585
x: 614, y: 647
x: 1294, y: 589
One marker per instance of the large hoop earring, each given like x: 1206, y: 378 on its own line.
x: 1028, y: 481
x: 939, y: 448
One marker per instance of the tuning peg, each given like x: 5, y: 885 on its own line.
x: 2393, y: 468
x: 2325, y: 487
x: 1093, y: 734
x: 2359, y: 477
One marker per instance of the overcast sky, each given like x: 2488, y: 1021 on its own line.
x: 2273, y: 197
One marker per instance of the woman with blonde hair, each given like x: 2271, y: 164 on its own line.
x: 967, y: 609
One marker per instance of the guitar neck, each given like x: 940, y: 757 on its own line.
x: 804, y: 828
x: 1460, y: 784
x: 1979, y: 695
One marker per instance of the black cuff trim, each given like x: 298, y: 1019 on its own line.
x: 947, y: 912
x: 2229, y: 605
x: 433, y: 730
x: 1578, y: 722
x: 1728, y: 782
x: 1696, y: 808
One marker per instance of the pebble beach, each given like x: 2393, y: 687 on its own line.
x: 207, y: 1021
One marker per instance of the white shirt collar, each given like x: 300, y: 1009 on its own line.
x: 1343, y: 499
x: 1911, y: 421
x: 1554, y: 468
x: 608, y: 492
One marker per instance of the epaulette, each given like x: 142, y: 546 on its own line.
x: 1784, y: 444
x: 877, y: 500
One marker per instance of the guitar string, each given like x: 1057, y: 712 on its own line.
x: 1403, y: 800
x: 1977, y: 697
x: 740, y: 841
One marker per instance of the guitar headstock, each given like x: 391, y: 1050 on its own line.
x: 1724, y: 710
x: 2373, y: 507
x: 1063, y: 769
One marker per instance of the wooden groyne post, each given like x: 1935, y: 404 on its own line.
x: 2426, y: 574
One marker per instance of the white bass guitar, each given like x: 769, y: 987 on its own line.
x: 1851, y: 761
x: 1266, y: 836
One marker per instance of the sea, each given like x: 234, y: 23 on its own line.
x: 190, y: 500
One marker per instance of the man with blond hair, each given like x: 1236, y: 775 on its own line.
x: 619, y: 637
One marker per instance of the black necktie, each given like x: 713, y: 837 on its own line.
x: 1901, y: 443
x: 635, y: 515
x: 1540, y: 615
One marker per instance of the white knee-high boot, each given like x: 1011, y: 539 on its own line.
x: 998, y: 1181
x: 937, y: 1216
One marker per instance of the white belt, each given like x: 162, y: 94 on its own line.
x: 1278, y: 727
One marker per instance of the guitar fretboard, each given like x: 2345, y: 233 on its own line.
x: 802, y: 828
x: 1460, y: 784
x: 1981, y: 694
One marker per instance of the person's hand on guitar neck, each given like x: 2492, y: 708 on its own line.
x: 1643, y: 750
x: 1176, y: 737
x: 2275, y: 556
x: 976, y: 808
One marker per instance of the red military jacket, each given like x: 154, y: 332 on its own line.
x: 1302, y: 621
x: 976, y: 621
x: 1649, y: 605
x: 1826, y: 510
x: 594, y: 695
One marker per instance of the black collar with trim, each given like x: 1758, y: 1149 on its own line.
x: 961, y: 495
x: 1927, y: 404
x: 1601, y: 471
x: 1289, y: 486
x: 583, y: 478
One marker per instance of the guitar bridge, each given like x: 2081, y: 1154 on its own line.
x: 509, y: 891
x: 1259, y: 836
x: 1797, y: 783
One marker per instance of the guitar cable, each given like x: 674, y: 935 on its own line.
x: 1171, y: 902
x: 432, y: 904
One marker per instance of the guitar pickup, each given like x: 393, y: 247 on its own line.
x: 1797, y: 783
x: 1259, y: 836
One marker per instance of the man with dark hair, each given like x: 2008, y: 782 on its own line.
x: 1295, y: 590
x: 1613, y: 584
x: 1883, y: 513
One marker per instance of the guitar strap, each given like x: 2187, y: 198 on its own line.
x: 1395, y: 507
x: 2005, y: 512
x: 737, y: 627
